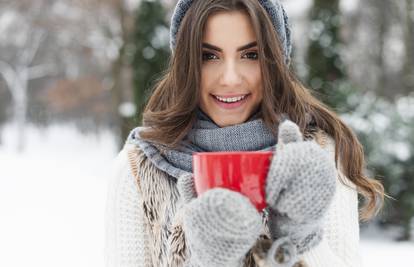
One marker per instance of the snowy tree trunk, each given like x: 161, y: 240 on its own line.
x: 20, y: 107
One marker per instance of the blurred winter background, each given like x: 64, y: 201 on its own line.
x: 73, y: 78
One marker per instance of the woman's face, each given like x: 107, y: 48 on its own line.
x: 231, y: 85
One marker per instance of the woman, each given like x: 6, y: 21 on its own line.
x: 228, y: 88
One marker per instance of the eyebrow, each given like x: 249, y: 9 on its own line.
x: 244, y: 47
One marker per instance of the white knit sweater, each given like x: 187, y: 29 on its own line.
x: 124, y: 234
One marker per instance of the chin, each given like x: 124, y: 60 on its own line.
x: 229, y: 122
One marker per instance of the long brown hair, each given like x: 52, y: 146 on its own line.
x: 171, y: 109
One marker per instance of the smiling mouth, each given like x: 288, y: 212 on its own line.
x: 231, y: 103
x: 230, y: 99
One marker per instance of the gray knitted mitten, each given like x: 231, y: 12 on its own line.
x: 220, y: 225
x: 299, y: 188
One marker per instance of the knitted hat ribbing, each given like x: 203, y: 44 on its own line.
x: 273, y: 7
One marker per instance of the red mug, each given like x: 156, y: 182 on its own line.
x: 241, y: 171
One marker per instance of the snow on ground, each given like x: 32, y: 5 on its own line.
x: 52, y: 198
x: 382, y: 253
x: 52, y: 202
x: 378, y: 248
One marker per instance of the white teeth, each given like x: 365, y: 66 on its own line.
x: 230, y: 100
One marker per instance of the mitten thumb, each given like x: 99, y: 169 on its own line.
x: 289, y: 132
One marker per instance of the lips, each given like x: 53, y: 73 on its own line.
x: 230, y: 96
x: 231, y: 105
x: 230, y: 100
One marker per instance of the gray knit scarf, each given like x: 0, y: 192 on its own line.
x: 206, y: 136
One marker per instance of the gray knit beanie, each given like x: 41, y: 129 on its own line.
x: 273, y: 7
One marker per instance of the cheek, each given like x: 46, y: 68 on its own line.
x: 208, y: 77
x: 254, y: 79
x: 208, y: 74
x: 204, y: 87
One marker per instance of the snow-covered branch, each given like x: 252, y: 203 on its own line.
x: 7, y: 72
x: 32, y: 47
x: 40, y: 71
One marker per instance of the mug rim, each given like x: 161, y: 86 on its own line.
x: 222, y: 153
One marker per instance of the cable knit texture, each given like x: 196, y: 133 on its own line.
x: 144, y: 219
x: 300, y: 186
x: 221, y: 226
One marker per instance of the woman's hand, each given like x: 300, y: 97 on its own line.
x: 220, y: 225
x: 300, y: 185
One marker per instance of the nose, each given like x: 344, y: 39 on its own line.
x: 230, y: 75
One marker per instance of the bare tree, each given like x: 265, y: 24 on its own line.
x: 19, y: 72
x: 59, y: 39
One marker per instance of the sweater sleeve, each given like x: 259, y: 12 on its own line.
x: 340, y: 244
x: 125, y: 233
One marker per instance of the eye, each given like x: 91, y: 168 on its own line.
x: 252, y: 55
x: 208, y: 56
